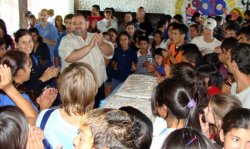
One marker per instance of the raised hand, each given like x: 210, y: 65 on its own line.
x: 35, y: 138
x: 99, y: 39
x: 46, y: 99
x: 5, y: 77
x: 134, y: 66
x: 114, y: 65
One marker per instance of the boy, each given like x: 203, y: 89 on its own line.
x: 162, y: 69
x: 144, y: 56
x: 178, y: 36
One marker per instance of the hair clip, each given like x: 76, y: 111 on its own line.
x: 191, y: 141
x: 191, y: 103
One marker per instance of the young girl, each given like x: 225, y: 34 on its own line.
x: 187, y: 138
x: 172, y: 102
x: 219, y: 105
x: 212, y: 78
x: 157, y: 40
x: 40, y: 49
x: 124, y: 60
x: 235, y: 129
x: 130, y: 29
x: 59, y: 24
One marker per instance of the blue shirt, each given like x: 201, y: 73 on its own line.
x: 56, y: 49
x: 6, y: 101
x: 50, y: 32
x: 58, y: 131
x: 124, y: 60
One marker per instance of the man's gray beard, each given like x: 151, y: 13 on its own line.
x: 79, y: 33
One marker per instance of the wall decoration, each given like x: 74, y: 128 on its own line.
x: 209, y: 7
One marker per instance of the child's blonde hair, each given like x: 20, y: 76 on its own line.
x: 78, y: 87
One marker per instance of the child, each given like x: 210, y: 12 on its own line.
x: 144, y: 56
x: 105, y: 129
x: 219, y: 105
x: 162, y: 70
x: 191, y: 54
x: 173, y: 102
x: 113, y: 35
x: 130, y: 29
x: 124, y: 60
x: 235, y: 129
x: 157, y: 40
x: 3, y: 48
x: 212, y: 78
x: 106, y: 36
x: 187, y: 138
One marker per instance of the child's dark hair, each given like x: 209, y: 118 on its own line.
x: 229, y: 43
x: 159, y: 32
x: 238, y: 118
x: 130, y: 23
x: 179, y: 18
x: 245, y: 31
x: 210, y: 71
x: 186, y: 74
x: 142, y: 127
x: 192, y: 53
x: 172, y: 25
x: 195, y: 15
x: 113, y: 30
x: 34, y: 30
x: 176, y: 97
x: 182, y: 28
x: 2, y: 41
x: 233, y: 26
x: 213, y: 59
x: 187, y: 138
x: 20, y: 33
x: 157, y: 51
x: 197, y: 27
x: 15, y: 60
x: 143, y: 38
x: 105, y: 33
x: 124, y: 33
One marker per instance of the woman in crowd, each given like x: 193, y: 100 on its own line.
x: 3, y: 35
x: 40, y: 49
x: 39, y: 78
x: 59, y: 24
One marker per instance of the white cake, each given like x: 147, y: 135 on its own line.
x: 136, y: 91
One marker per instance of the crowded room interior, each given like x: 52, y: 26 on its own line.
x: 104, y: 74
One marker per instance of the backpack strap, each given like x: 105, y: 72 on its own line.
x: 45, y: 118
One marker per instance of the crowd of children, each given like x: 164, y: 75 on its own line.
x: 53, y: 77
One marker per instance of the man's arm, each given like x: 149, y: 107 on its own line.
x: 78, y: 54
x: 105, y: 48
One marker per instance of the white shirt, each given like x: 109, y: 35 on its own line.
x: 244, y: 96
x: 95, y: 58
x: 204, y: 46
x: 102, y: 25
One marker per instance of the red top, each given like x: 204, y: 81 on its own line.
x: 92, y: 20
x: 213, y: 90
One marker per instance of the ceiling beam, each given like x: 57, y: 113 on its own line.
x: 23, y: 7
x: 76, y: 6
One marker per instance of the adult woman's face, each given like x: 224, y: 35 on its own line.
x: 25, y: 44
